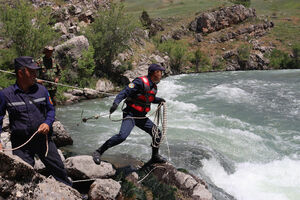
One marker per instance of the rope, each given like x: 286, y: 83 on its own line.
x: 47, y: 147
x: 149, y: 173
x: 157, y: 137
x: 64, y: 85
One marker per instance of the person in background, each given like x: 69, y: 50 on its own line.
x: 139, y: 95
x: 50, y: 71
x: 30, y: 109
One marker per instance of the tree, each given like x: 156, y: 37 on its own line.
x: 27, y: 29
x: 109, y: 35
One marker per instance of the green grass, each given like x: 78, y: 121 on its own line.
x: 169, y: 8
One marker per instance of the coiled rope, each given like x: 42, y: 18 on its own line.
x: 13, y: 149
x: 158, y: 137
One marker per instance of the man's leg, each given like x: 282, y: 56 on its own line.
x: 126, y: 128
x: 147, y: 125
x: 26, y: 155
x: 54, y: 163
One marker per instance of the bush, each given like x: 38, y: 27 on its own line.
x: 279, y: 59
x: 86, y: 66
x: 28, y: 29
x: 177, y: 51
x: 200, y: 60
x: 109, y: 34
x: 243, y: 52
x: 245, y: 3
x: 295, y: 60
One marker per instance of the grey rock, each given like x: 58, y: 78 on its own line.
x: 60, y: 136
x: 104, y: 189
x: 83, y: 167
x: 104, y: 85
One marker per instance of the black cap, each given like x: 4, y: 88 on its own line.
x: 155, y: 67
x: 25, y: 61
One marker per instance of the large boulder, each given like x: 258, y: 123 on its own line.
x: 106, y: 189
x: 83, y: 167
x: 71, y: 50
x: 60, y: 136
x: 213, y: 21
x: 104, y: 85
x: 18, y: 180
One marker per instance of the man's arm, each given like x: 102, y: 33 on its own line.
x: 50, y: 116
x: 130, y: 89
x: 2, y: 113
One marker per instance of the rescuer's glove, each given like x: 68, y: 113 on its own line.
x: 113, y: 108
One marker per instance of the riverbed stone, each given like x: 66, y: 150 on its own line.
x: 83, y: 167
x: 107, y: 189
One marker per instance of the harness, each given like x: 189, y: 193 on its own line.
x: 142, y: 101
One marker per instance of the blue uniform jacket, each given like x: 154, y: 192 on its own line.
x: 27, y: 111
x: 134, y: 88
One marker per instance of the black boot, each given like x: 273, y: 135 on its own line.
x: 97, y: 155
x: 156, y: 158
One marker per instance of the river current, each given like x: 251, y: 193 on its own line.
x: 241, y: 129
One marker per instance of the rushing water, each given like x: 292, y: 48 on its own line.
x: 243, y: 127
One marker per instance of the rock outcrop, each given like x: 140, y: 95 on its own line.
x: 213, y: 21
x: 18, y: 180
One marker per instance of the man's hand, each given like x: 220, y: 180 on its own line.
x: 0, y: 146
x: 56, y: 80
x: 113, y: 108
x: 40, y: 81
x: 161, y: 100
x: 44, y: 129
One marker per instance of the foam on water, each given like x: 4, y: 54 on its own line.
x: 276, y: 180
x: 230, y: 93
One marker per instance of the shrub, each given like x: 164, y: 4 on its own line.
x: 279, y: 59
x: 28, y: 29
x: 177, y: 51
x: 245, y: 3
x: 86, y: 66
x: 109, y: 34
x: 295, y: 60
x: 243, y: 52
x: 200, y: 59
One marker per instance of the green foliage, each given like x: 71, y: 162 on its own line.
x: 279, y: 59
x: 295, y: 62
x: 159, y: 190
x: 177, y: 51
x: 129, y: 190
x: 245, y: 3
x: 86, y: 66
x: 28, y: 29
x: 109, y: 34
x: 243, y: 52
x: 6, y: 80
x: 200, y: 60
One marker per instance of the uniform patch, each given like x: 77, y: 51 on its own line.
x: 131, y: 85
x: 50, y: 100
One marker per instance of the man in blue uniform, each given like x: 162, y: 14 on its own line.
x: 30, y: 109
x: 139, y: 95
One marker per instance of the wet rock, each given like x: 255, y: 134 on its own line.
x: 83, y: 167
x: 104, y: 189
x: 60, y: 136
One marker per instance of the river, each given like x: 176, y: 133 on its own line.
x: 243, y: 127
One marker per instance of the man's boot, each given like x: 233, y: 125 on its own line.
x: 97, y: 155
x: 156, y: 158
